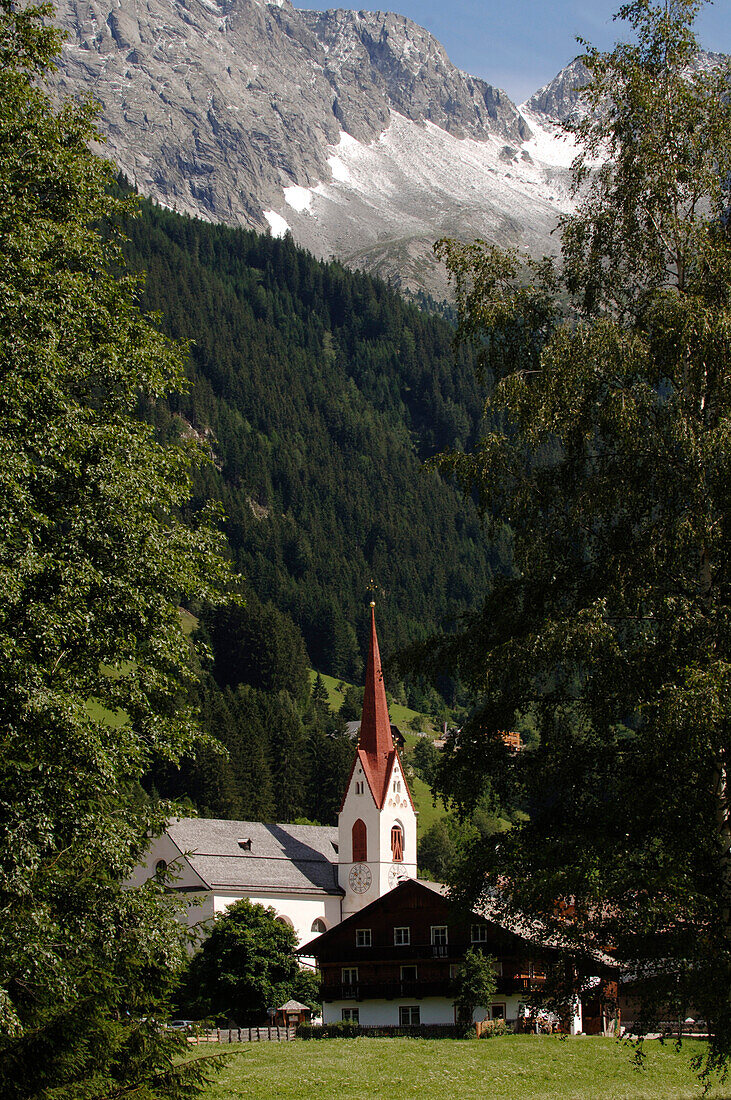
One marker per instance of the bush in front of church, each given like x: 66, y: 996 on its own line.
x: 246, y: 966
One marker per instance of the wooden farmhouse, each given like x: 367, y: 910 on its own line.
x: 395, y: 963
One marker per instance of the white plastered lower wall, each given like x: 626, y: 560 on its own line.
x: 432, y: 1010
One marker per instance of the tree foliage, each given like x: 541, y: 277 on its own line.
x: 245, y: 966
x: 94, y: 562
x: 608, y: 456
x: 476, y: 985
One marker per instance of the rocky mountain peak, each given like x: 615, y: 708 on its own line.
x: 352, y: 130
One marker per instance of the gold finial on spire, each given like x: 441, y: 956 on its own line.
x: 372, y: 587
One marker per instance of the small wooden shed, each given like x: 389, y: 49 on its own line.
x: 291, y: 1014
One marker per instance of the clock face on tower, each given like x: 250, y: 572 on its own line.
x: 395, y: 874
x: 360, y: 878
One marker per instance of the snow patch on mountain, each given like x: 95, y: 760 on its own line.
x: 299, y: 198
x: 416, y: 182
x: 277, y: 224
x: 550, y: 144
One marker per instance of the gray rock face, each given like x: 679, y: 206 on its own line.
x: 352, y: 130
x: 378, y: 62
x: 560, y: 100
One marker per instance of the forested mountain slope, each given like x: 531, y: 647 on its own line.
x: 320, y: 393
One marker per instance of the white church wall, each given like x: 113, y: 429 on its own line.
x: 300, y: 912
x: 196, y: 905
x: 397, y: 810
x: 163, y: 849
x: 359, y: 804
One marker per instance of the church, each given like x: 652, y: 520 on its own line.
x: 313, y: 876
x: 388, y: 944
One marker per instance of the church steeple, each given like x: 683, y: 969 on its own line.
x: 375, y: 743
x: 377, y: 821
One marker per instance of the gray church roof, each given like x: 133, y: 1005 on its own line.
x: 243, y: 855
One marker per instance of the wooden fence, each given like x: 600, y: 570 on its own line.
x: 244, y: 1035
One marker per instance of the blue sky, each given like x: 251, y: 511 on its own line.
x: 521, y: 44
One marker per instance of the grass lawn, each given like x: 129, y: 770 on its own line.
x: 519, y: 1067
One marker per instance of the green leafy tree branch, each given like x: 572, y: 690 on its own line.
x: 606, y: 452
x: 94, y: 563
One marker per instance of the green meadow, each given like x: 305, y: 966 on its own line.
x: 520, y: 1067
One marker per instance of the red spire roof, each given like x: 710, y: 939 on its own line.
x: 375, y: 744
x: 375, y: 724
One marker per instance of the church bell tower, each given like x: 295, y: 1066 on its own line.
x: 377, y: 820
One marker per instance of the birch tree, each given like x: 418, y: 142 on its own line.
x: 607, y: 455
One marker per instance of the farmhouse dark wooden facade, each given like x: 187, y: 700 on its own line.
x: 395, y: 961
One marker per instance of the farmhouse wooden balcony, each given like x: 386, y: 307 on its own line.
x: 389, y: 991
x: 405, y: 952
x: 431, y: 987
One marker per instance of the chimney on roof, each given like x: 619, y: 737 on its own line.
x: 245, y: 844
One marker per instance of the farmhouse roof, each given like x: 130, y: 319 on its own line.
x: 243, y: 854
x: 530, y: 931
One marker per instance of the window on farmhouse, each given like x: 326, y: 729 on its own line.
x: 350, y: 975
x: 408, y: 973
x: 397, y: 844
x: 439, y: 935
x: 479, y: 933
x: 349, y: 1015
x: 409, y: 1016
x: 362, y: 937
x: 401, y: 936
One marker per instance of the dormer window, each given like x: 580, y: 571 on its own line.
x: 245, y: 844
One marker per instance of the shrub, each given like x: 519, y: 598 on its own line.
x: 343, y: 1029
x: 491, y: 1029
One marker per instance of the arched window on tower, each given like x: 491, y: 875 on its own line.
x: 397, y: 844
x: 319, y: 926
x: 360, y: 842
